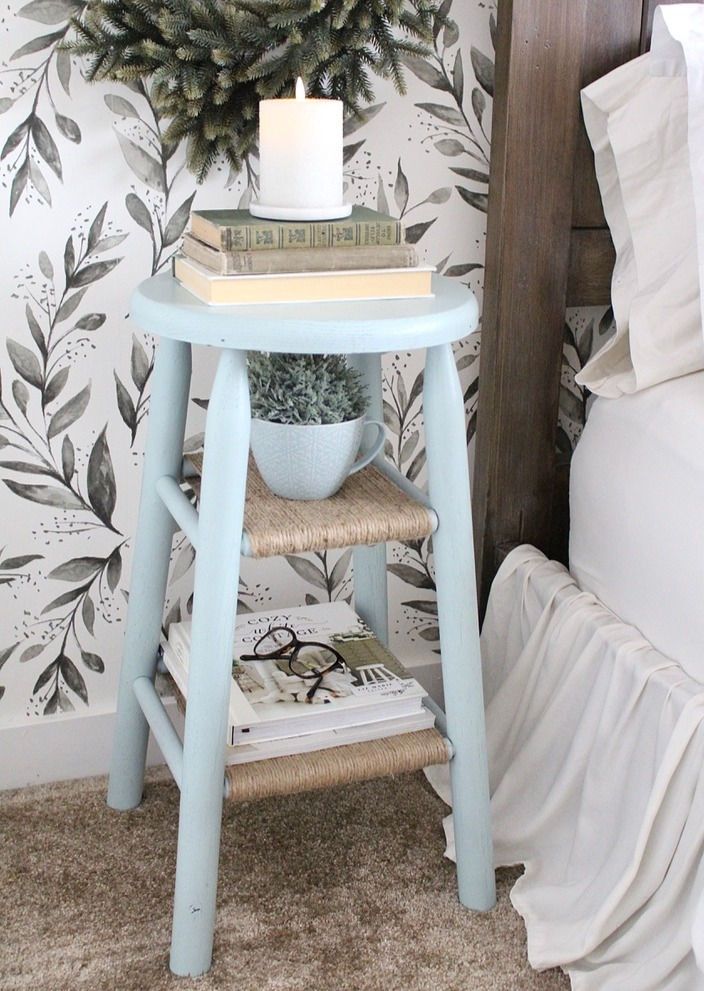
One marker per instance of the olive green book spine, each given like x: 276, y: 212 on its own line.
x: 237, y: 230
x: 304, y: 260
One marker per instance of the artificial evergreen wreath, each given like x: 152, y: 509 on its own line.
x: 211, y: 61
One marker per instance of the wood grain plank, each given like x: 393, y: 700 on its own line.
x: 592, y: 258
x: 611, y: 37
x: 534, y: 131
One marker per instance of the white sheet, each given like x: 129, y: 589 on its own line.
x: 596, y: 745
x: 637, y: 514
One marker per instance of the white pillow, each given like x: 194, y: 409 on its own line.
x: 637, y: 118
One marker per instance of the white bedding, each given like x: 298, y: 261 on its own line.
x: 637, y: 514
x: 596, y: 745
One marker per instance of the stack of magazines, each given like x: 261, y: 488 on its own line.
x: 274, y: 713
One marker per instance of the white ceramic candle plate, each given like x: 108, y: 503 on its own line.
x: 300, y: 212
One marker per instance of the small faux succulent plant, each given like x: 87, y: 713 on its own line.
x: 305, y: 388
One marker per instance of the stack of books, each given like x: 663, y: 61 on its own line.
x: 230, y: 257
x: 374, y: 697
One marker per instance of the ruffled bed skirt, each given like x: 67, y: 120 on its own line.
x: 596, y: 750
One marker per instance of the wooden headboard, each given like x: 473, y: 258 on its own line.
x: 547, y: 248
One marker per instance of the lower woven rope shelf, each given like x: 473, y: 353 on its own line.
x: 368, y: 509
x: 321, y: 769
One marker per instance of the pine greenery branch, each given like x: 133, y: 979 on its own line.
x: 305, y: 388
x: 211, y: 61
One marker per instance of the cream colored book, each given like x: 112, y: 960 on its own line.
x: 302, y: 287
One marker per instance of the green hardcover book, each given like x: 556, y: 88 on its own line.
x: 238, y: 230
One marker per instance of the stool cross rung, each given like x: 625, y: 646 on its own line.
x: 178, y: 504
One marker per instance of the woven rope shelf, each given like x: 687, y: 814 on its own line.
x: 368, y: 509
x: 322, y: 769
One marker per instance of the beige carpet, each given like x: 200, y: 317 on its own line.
x: 338, y: 891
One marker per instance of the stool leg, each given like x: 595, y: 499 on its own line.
x: 370, y: 588
x: 210, y: 672
x: 150, y: 568
x: 459, y: 629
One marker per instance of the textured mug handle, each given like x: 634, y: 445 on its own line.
x: 376, y: 447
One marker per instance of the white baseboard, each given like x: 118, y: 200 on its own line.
x: 60, y: 749
x: 79, y: 745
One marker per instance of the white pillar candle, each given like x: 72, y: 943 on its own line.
x: 300, y: 154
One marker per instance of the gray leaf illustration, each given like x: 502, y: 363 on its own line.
x: 46, y: 146
x: 88, y: 614
x: 451, y: 34
x: 483, y: 70
x: 91, y: 273
x: 458, y: 77
x: 6, y: 653
x: 20, y: 393
x: 177, y: 223
x: 120, y: 106
x: 65, y: 598
x: 450, y: 147
x: 31, y: 652
x: 124, y: 403
x: 69, y: 412
x: 416, y: 231
x: 340, y: 569
x: 63, y: 70
x: 457, y: 271
x: 69, y: 128
x: 47, y: 11
x: 96, y: 228
x: 426, y: 72
x: 471, y: 174
x: 15, y: 139
x: 68, y: 458
x: 45, y: 266
x: 25, y: 363
x: 92, y: 662
x: 15, y: 563
x: 412, y: 576
x: 73, y: 678
x: 55, y: 386
x: 91, y: 321
x: 349, y: 151
x: 308, y: 571
x: 478, y: 200
x: 382, y: 204
x: 77, y: 569
x: 447, y: 114
x: 114, y: 569
x: 45, y: 495
x: 139, y: 213
x: 401, y: 188
x: 37, y: 179
x: 139, y: 364
x: 70, y: 305
x: 430, y: 633
x: 478, y: 103
x: 102, y: 492
x: 46, y: 676
x: 355, y: 121
x: 37, y: 45
x: 19, y: 184
x: 423, y: 605
x: 144, y: 166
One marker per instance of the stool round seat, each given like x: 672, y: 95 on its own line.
x: 161, y: 306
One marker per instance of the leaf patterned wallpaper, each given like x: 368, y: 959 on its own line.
x: 95, y: 200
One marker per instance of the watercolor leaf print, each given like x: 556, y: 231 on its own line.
x: 152, y: 160
x: 31, y: 150
x: 132, y: 410
x: 37, y: 415
x: 335, y: 583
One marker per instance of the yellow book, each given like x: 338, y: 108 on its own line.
x: 302, y: 287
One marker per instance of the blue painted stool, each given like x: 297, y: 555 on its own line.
x: 364, y: 331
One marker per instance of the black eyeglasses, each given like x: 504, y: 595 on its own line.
x: 281, y: 643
